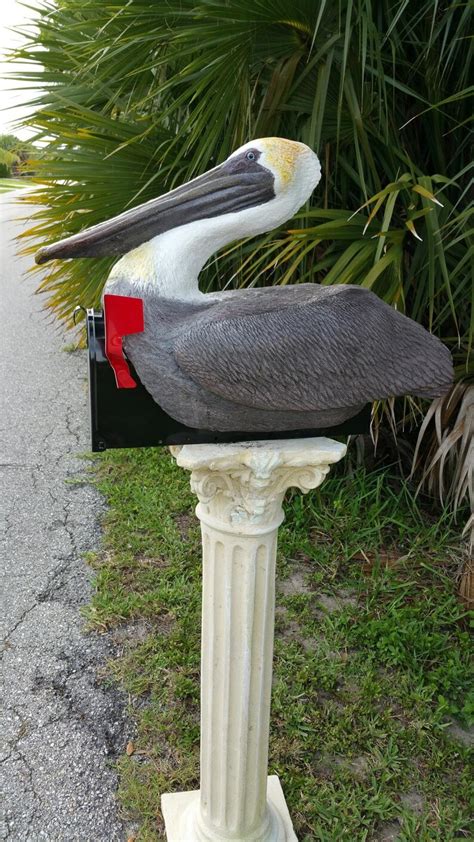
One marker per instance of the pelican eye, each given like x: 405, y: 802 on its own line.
x: 250, y: 156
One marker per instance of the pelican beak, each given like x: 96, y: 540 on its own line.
x: 235, y: 185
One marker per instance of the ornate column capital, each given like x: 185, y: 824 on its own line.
x: 241, y: 486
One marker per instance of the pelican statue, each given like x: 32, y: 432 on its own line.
x: 277, y: 358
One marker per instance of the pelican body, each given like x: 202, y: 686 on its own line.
x: 256, y: 360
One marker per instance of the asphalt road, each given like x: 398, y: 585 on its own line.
x: 60, y: 727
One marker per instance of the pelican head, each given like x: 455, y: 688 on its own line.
x: 257, y: 188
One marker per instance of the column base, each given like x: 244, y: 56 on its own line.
x: 179, y: 810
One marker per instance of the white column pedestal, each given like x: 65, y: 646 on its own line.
x: 240, y: 489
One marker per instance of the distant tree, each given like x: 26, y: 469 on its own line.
x: 9, y: 159
x: 14, y: 155
x: 9, y: 141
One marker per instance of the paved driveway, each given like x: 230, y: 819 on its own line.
x: 59, y: 727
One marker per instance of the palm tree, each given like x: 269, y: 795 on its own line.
x: 138, y: 96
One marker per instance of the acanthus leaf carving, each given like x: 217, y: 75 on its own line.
x: 254, y: 493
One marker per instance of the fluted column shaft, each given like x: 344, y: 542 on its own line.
x: 240, y: 489
x: 237, y: 651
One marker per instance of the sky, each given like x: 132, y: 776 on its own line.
x: 12, y: 15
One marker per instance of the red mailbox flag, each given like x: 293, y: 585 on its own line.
x: 122, y: 315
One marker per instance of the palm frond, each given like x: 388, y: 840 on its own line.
x: 445, y: 448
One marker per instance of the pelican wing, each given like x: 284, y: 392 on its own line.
x: 310, y: 347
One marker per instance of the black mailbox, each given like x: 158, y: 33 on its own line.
x: 131, y: 418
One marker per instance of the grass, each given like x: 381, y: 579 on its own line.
x: 371, y: 653
x: 7, y: 184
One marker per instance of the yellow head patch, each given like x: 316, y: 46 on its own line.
x: 282, y: 155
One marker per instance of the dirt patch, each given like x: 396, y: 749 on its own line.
x: 413, y: 801
x: 151, y: 561
x: 295, y: 583
x: 462, y: 735
x: 358, y: 767
x: 336, y: 602
x: 291, y: 630
x: 184, y: 523
x: 131, y: 633
x: 388, y: 832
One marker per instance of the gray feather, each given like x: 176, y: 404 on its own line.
x: 283, y: 357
